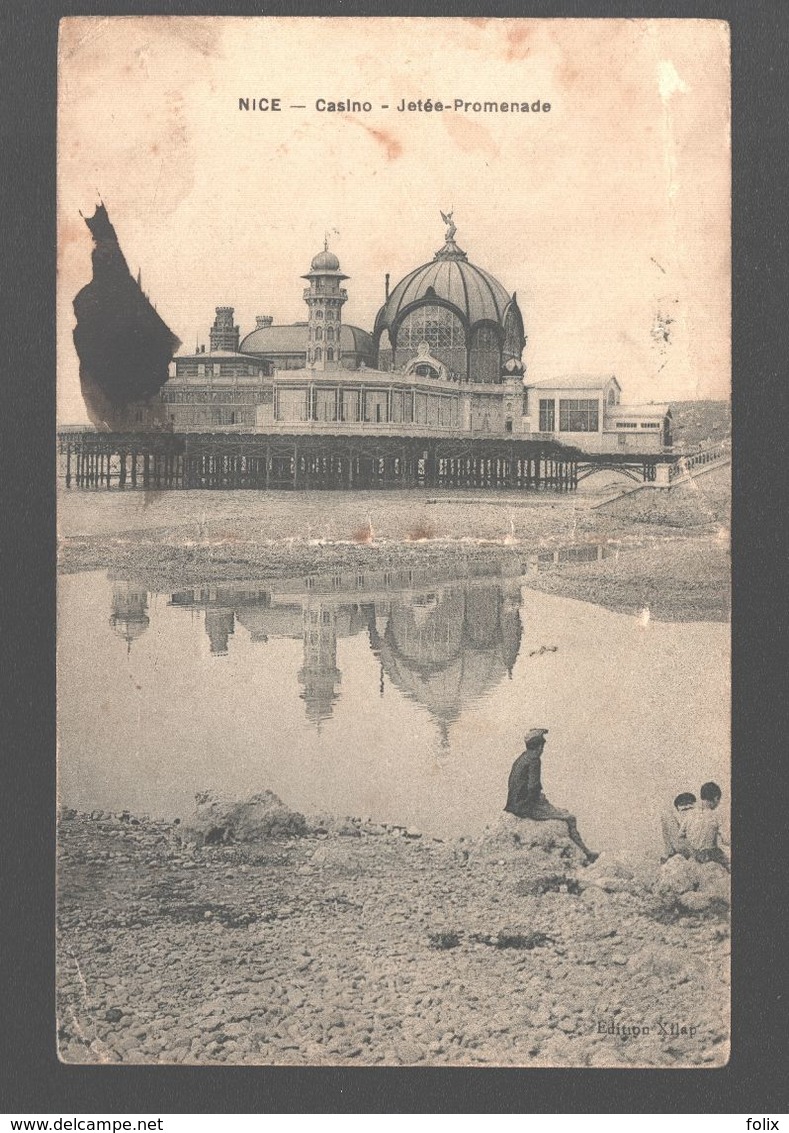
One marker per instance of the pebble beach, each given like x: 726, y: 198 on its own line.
x: 371, y: 945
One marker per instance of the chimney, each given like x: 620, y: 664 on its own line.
x: 386, y: 287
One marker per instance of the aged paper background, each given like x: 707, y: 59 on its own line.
x: 396, y: 939
x: 611, y: 208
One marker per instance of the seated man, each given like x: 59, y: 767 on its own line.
x: 525, y: 797
x: 701, y: 828
x: 673, y: 840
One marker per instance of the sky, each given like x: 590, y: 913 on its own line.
x: 608, y: 215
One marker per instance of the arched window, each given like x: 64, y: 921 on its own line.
x: 329, y: 353
x: 330, y: 334
x: 319, y: 333
x: 441, y: 329
x: 318, y: 354
x: 319, y: 314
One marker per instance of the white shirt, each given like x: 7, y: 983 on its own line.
x: 701, y: 828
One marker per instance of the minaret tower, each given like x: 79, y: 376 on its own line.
x: 324, y: 298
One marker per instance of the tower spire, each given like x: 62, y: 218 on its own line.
x: 324, y: 297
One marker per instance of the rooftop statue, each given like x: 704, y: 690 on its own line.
x: 452, y: 227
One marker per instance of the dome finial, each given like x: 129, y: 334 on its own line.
x: 450, y: 251
x: 451, y: 226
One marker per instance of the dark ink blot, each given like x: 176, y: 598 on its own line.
x: 124, y: 346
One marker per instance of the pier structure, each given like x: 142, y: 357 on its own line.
x: 166, y: 461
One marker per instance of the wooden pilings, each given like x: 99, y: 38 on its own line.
x: 163, y: 462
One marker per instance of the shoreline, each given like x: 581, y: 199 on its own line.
x: 674, y: 562
x: 356, y: 944
x: 677, y: 577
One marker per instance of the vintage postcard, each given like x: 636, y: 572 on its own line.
x: 393, y: 493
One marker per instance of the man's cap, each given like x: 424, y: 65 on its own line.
x: 535, y: 733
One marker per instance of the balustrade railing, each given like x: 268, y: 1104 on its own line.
x: 686, y: 465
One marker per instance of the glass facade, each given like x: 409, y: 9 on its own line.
x: 579, y: 416
x: 441, y: 330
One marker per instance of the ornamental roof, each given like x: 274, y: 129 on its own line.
x: 325, y: 261
x: 449, y: 278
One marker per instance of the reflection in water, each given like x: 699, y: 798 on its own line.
x: 447, y: 648
x: 385, y: 693
x: 444, y: 641
x: 129, y: 616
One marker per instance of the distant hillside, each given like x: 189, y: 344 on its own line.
x: 697, y: 423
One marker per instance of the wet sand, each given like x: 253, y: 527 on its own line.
x: 679, y: 572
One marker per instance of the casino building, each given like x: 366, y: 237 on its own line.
x: 445, y: 357
x: 436, y: 395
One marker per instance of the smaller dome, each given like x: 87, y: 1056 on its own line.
x: 325, y: 261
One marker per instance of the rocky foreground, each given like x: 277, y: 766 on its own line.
x: 328, y: 941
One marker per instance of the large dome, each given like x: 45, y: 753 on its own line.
x: 469, y: 320
x: 474, y: 293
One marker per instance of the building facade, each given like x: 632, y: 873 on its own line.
x: 586, y: 412
x: 444, y: 359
